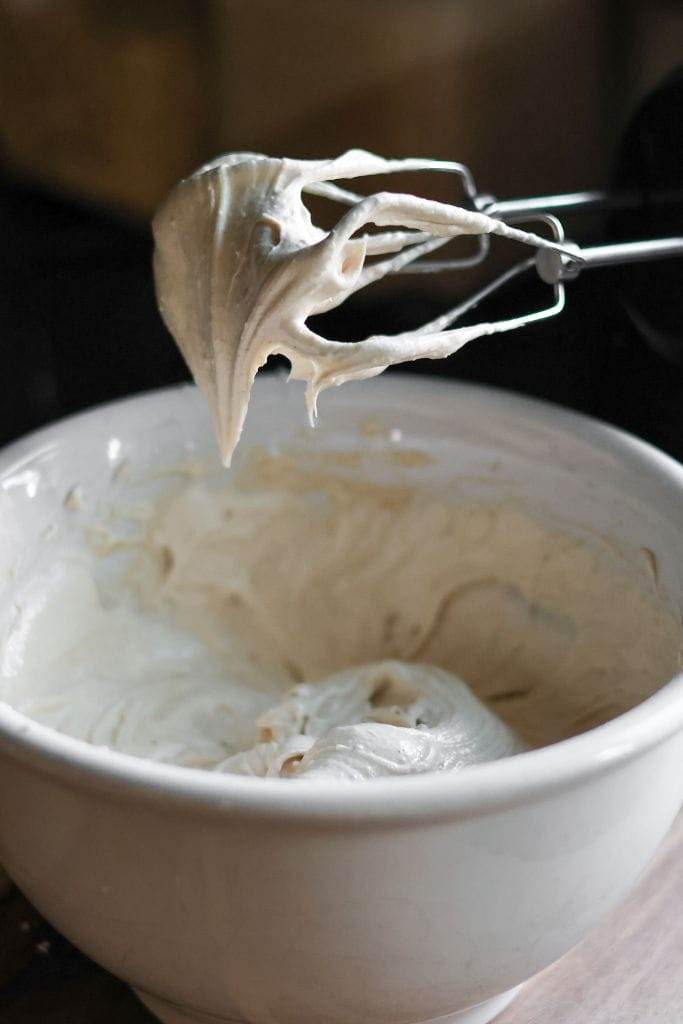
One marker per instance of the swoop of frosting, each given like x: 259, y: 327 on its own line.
x: 388, y: 718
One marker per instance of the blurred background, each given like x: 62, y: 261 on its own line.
x: 104, y: 105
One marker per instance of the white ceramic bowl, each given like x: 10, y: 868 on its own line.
x: 395, y: 901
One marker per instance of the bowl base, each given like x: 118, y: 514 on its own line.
x: 480, y: 1014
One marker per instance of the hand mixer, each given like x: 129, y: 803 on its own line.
x: 241, y: 268
x: 648, y: 187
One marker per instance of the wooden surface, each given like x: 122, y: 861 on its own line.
x: 629, y: 971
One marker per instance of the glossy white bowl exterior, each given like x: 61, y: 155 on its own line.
x: 386, y: 902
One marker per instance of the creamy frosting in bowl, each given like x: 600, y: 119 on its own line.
x: 345, y: 605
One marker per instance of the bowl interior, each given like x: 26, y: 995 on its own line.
x: 603, y: 492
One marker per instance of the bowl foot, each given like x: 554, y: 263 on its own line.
x: 481, y: 1014
x: 169, y: 1013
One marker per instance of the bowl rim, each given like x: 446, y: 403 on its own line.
x: 509, y: 782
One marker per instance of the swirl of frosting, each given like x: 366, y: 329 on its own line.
x: 387, y: 718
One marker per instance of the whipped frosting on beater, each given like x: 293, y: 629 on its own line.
x: 240, y: 267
